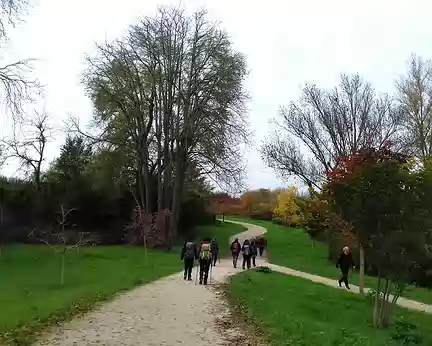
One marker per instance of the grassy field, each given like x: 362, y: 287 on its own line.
x: 292, y: 248
x: 297, y: 312
x: 31, y: 296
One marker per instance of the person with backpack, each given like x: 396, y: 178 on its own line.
x: 235, y: 251
x: 254, y: 249
x: 215, y: 250
x: 188, y: 255
x: 247, y: 254
x: 345, y: 262
x: 262, y: 244
x: 205, y: 261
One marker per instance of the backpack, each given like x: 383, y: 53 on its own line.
x: 246, y: 250
x: 205, y: 252
x: 190, y: 250
x: 236, y: 247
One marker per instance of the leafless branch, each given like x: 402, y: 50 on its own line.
x: 327, y: 124
x: 30, y: 149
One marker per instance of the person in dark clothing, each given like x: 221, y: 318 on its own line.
x: 215, y: 250
x: 345, y: 262
x: 235, y: 251
x: 261, y: 243
x: 205, y: 261
x: 254, y: 249
x: 247, y: 254
x: 188, y: 255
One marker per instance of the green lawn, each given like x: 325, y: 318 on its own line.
x: 293, y: 311
x: 31, y: 296
x: 292, y: 247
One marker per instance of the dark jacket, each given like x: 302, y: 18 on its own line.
x: 345, y: 262
x: 233, y: 250
x: 254, y: 247
x: 183, y: 252
x: 214, y: 246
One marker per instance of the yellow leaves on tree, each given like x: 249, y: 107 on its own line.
x: 287, y: 208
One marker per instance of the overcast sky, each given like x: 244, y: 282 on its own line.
x: 286, y: 42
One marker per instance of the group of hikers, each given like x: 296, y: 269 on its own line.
x: 207, y: 253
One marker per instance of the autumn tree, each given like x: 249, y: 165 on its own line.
x: 389, y: 208
x: 287, y: 207
x: 326, y: 124
x: 260, y: 203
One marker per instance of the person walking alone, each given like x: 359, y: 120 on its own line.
x: 188, y: 255
x: 345, y: 263
x: 261, y: 243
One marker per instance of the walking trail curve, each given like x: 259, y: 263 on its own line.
x: 167, y: 312
x: 403, y: 302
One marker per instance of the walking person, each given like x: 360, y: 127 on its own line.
x: 205, y: 261
x: 345, y: 263
x: 215, y: 250
x: 188, y: 255
x: 254, y: 249
x: 247, y: 254
x: 235, y: 251
x: 262, y: 243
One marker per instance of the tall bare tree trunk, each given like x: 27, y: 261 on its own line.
x: 362, y: 271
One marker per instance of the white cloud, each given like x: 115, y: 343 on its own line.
x: 286, y: 42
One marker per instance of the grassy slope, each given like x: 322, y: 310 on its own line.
x: 294, y: 311
x: 293, y: 248
x: 30, y: 294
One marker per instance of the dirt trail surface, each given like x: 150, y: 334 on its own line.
x: 403, y: 302
x: 167, y: 312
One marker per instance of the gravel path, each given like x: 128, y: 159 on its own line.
x: 167, y: 312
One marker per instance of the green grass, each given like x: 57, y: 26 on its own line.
x: 297, y: 312
x: 292, y: 247
x: 31, y: 296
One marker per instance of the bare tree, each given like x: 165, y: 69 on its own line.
x: 172, y: 92
x: 29, y: 149
x: 11, y: 12
x: 62, y: 240
x: 17, y: 86
x: 326, y: 124
x: 415, y: 97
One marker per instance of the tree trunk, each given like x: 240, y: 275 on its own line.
x: 362, y: 271
x: 377, y: 302
x: 62, y: 267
